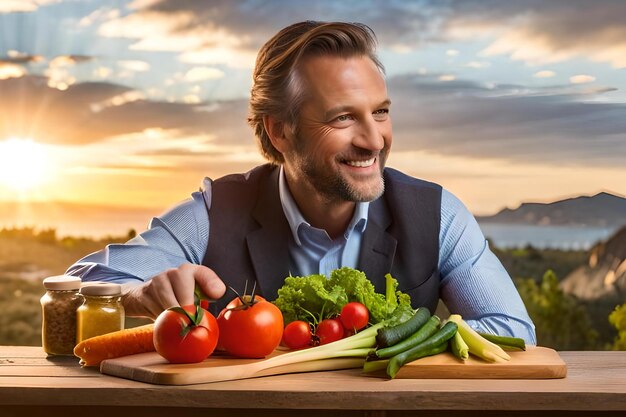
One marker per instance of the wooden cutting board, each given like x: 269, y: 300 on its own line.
x: 534, y: 363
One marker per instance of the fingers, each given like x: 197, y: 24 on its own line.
x: 161, y: 291
x: 138, y: 302
x: 170, y: 288
x: 182, y: 282
x: 185, y: 278
x: 208, y: 281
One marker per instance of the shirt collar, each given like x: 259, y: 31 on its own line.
x: 296, y: 220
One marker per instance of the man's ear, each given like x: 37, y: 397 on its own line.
x: 278, y: 132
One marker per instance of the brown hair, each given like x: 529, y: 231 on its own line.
x: 276, y: 90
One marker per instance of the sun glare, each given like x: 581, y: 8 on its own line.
x: 23, y: 164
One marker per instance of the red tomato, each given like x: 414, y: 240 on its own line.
x: 185, y: 338
x: 354, y: 316
x: 252, y: 329
x: 348, y: 332
x: 297, y: 335
x: 329, y: 330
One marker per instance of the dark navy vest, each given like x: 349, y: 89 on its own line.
x: 249, y: 235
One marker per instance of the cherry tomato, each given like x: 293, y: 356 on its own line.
x: 185, y: 335
x: 250, y: 328
x: 297, y: 335
x: 329, y: 330
x: 354, y: 316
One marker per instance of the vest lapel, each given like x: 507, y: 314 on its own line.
x: 268, y: 245
x: 378, y: 247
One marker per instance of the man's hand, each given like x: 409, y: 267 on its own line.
x: 172, y: 288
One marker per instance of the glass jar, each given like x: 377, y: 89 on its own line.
x: 101, y: 312
x: 58, y: 314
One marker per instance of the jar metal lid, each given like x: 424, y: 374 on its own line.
x: 101, y: 288
x: 62, y: 283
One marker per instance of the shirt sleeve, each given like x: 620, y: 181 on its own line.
x: 474, y: 283
x: 178, y: 236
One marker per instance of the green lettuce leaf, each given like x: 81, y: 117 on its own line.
x: 315, y: 297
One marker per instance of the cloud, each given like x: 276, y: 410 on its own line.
x: 154, y: 30
x: 540, y: 32
x: 557, y: 125
x: 581, y: 79
x: 30, y: 107
x: 229, y: 32
x: 93, y: 112
x: 544, y: 74
x: 11, y: 6
x: 11, y: 71
x: 446, y: 77
x: 134, y: 65
x: 478, y: 64
x: 102, y: 72
x: 198, y: 166
x: 163, y: 152
x: 16, y: 57
x: 203, y: 73
x: 128, y: 96
x: 68, y: 60
x: 99, y: 15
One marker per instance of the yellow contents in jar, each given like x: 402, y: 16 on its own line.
x: 101, y: 312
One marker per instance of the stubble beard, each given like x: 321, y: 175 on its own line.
x: 335, y: 187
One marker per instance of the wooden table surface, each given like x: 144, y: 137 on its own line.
x: 31, y: 384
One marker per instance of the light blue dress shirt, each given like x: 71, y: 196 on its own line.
x: 474, y: 283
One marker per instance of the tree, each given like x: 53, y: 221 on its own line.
x: 47, y: 236
x: 618, y: 319
x: 561, y: 322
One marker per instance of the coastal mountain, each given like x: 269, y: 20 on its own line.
x: 601, y: 210
x: 604, y: 275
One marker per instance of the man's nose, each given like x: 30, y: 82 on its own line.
x: 370, y: 135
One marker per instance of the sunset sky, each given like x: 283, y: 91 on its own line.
x: 132, y: 103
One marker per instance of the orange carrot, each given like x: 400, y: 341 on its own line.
x: 94, y: 350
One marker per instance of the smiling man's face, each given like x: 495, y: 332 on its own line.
x: 344, y: 130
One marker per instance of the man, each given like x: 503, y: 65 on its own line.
x: 320, y: 110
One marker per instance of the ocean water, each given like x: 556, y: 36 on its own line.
x: 508, y: 236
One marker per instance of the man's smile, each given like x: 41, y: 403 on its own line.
x: 360, y: 164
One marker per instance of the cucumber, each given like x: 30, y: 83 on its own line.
x: 435, y: 344
x: 376, y: 365
x: 505, y: 342
x: 458, y: 347
x: 423, y: 333
x: 391, y: 335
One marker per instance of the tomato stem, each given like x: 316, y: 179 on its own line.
x: 194, y: 319
x: 313, y: 316
x: 253, y: 292
x: 246, y: 300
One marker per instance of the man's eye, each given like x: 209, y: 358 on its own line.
x: 381, y: 114
x: 344, y: 118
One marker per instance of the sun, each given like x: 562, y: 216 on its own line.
x: 23, y: 164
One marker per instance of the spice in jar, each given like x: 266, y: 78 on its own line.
x: 58, y: 314
x: 101, y: 312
